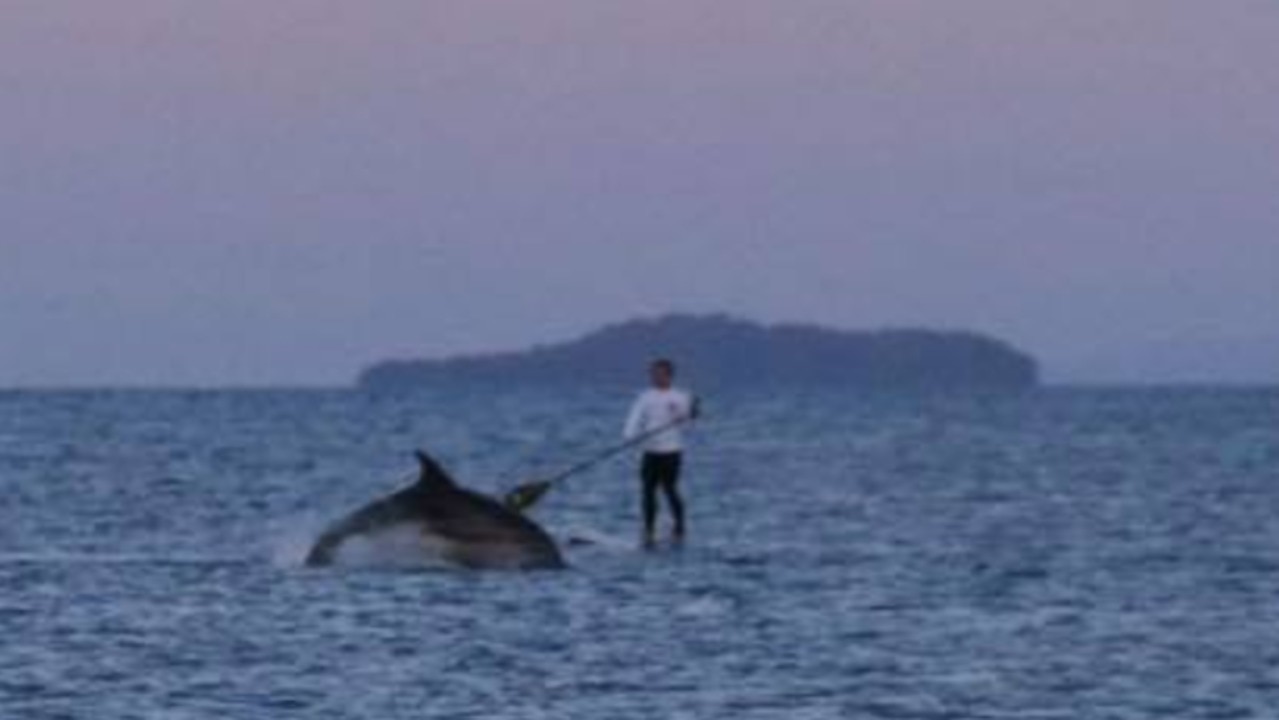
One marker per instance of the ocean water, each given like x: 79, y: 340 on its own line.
x: 1055, y: 554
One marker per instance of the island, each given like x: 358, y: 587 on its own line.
x: 726, y: 351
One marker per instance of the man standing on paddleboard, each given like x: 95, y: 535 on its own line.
x: 660, y: 413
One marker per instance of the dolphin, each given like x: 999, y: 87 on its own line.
x: 462, y: 527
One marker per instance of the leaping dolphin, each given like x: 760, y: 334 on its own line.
x: 460, y: 526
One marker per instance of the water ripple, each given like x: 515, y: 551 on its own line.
x: 1064, y: 554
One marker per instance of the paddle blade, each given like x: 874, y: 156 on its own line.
x: 526, y: 496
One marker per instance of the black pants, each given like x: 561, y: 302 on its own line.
x: 661, y: 470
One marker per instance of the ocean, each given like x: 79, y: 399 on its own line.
x: 1060, y: 553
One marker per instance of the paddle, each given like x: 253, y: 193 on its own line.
x: 524, y: 496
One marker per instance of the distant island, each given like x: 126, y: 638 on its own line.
x: 722, y: 350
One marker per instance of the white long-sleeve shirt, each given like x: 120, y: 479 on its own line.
x: 656, y: 408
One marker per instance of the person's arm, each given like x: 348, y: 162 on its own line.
x: 634, y: 420
x: 689, y: 406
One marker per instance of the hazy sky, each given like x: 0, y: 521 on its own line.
x: 247, y: 192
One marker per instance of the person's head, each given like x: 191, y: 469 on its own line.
x: 662, y: 373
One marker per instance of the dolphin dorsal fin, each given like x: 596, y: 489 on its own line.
x: 432, y: 474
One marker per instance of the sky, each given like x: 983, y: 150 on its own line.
x: 242, y: 193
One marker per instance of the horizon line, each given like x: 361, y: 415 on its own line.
x: 122, y: 388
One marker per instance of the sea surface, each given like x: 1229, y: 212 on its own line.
x: 1063, y: 553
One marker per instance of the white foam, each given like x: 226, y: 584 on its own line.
x: 587, y: 537
x: 294, y: 542
x: 704, y: 607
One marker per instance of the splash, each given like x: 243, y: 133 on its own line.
x: 396, y: 547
